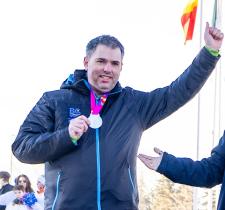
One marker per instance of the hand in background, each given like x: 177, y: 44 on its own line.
x: 150, y: 161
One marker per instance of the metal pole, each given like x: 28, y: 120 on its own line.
x: 195, y: 190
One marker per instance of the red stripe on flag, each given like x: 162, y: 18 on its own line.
x: 188, y: 23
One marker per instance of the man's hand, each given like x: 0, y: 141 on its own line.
x: 78, y: 126
x: 213, y: 37
x: 150, y: 161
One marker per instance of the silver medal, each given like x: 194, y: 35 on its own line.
x: 96, y: 121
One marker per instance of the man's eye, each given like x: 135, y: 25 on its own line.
x: 115, y: 63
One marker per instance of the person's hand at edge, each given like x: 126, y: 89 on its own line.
x: 150, y: 161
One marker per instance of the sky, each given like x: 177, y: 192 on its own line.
x: 42, y: 42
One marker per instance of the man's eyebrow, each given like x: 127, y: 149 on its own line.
x: 105, y: 59
x: 116, y: 62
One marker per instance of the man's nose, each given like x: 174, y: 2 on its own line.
x: 108, y: 67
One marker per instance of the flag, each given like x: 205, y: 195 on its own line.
x: 188, y: 19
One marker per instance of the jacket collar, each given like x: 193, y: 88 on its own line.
x: 78, y: 81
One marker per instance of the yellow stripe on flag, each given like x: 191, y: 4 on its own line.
x: 188, y: 19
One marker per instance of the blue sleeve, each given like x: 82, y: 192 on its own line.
x: 160, y: 103
x: 207, y: 172
x: 37, y: 140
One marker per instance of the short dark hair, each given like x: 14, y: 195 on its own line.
x: 107, y: 40
x: 18, y: 200
x: 5, y: 175
x: 18, y: 187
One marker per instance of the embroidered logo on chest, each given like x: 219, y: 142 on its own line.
x: 74, y: 112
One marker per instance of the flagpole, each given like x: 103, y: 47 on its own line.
x: 217, y: 22
x: 195, y: 190
x: 199, y: 95
x: 216, y: 86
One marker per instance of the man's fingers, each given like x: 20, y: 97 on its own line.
x: 76, y: 133
x: 140, y: 156
x: 78, y: 126
x: 144, y: 156
x: 207, y: 26
x: 158, y: 151
x: 85, y: 119
x: 148, y: 161
x: 219, y: 35
x: 151, y: 161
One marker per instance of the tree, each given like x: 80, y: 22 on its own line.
x: 164, y: 195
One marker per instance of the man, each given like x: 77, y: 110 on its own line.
x: 4, y: 185
x: 88, y: 132
x: 207, y: 172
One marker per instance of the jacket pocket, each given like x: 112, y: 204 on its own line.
x: 122, y: 184
x: 131, y: 180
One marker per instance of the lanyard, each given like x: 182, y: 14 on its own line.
x: 97, y: 103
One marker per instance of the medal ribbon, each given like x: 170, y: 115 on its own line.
x: 96, y: 105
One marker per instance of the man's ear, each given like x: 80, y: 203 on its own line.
x: 85, y: 62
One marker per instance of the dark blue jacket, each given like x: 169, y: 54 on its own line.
x: 6, y: 188
x: 100, y: 172
x: 207, y: 172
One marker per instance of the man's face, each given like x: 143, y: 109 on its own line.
x: 103, y: 68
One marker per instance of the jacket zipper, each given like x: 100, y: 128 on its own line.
x: 98, y: 170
